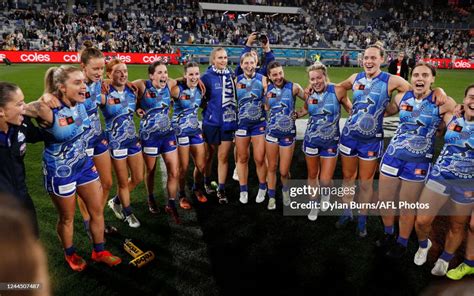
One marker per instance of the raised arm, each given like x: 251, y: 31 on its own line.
x: 398, y: 83
x: 347, y: 84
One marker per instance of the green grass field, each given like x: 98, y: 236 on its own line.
x: 228, y: 250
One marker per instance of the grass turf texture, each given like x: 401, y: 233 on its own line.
x: 248, y: 246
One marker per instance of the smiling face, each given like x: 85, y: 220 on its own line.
x: 372, y: 61
x: 74, y: 88
x: 317, y: 80
x: 277, y: 76
x: 421, y: 80
x: 220, y: 59
x: 119, y: 75
x: 248, y: 65
x: 94, y: 69
x: 468, y: 104
x: 192, y: 76
x: 159, y: 78
x: 14, y: 109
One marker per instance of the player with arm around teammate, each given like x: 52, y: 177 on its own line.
x: 323, y: 104
x: 281, y: 130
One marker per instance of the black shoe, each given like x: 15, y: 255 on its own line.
x: 208, y: 188
x: 222, y: 197
x: 397, y: 251
x: 386, y: 242
x: 110, y: 230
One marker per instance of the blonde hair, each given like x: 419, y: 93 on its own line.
x: 57, y: 75
x: 379, y: 46
x: 214, y: 52
x: 318, y: 66
x: 247, y: 55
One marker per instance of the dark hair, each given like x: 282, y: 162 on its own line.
x: 272, y: 65
x: 89, y: 52
x: 190, y: 65
x: 428, y: 65
x: 152, y: 67
x: 468, y: 88
x: 6, y: 90
x: 379, y: 47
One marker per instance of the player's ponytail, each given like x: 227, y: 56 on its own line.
x: 89, y: 52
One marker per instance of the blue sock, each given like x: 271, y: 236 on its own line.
x: 285, y: 188
x: 86, y: 225
x: 244, y: 188
x: 207, y: 180
x: 262, y: 186
x: 196, y: 186
x: 348, y: 213
x: 423, y: 244
x: 127, y: 211
x: 388, y: 229
x: 69, y: 251
x: 446, y: 256
x: 221, y: 187
x: 271, y: 193
x: 171, y: 203
x: 469, y: 262
x: 116, y: 200
x: 362, y: 221
x: 402, y: 241
x: 99, y: 247
x: 151, y: 197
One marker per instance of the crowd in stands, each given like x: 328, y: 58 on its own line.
x: 156, y: 27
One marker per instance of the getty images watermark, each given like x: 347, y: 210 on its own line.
x: 332, y: 199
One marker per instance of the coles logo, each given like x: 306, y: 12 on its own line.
x: 462, y: 64
x: 35, y: 57
x: 155, y: 58
x: 71, y: 58
x: 122, y: 58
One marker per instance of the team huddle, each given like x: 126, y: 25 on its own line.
x: 253, y: 106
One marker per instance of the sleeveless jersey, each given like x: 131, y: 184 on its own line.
x: 156, y: 104
x: 415, y: 136
x: 280, y: 123
x: 370, y: 97
x: 65, y: 146
x: 250, y: 100
x: 118, y: 114
x: 457, y: 156
x: 93, y: 99
x: 185, y: 116
x: 324, y: 112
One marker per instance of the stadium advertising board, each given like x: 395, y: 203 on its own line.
x: 447, y: 63
x: 73, y: 57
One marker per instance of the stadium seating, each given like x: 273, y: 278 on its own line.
x: 137, y: 26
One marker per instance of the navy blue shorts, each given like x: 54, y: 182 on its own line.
x: 409, y: 171
x: 215, y: 135
x: 367, y: 151
x: 184, y: 141
x: 66, y: 186
x: 98, y: 149
x: 162, y: 145
x: 246, y: 131
x: 445, y: 183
